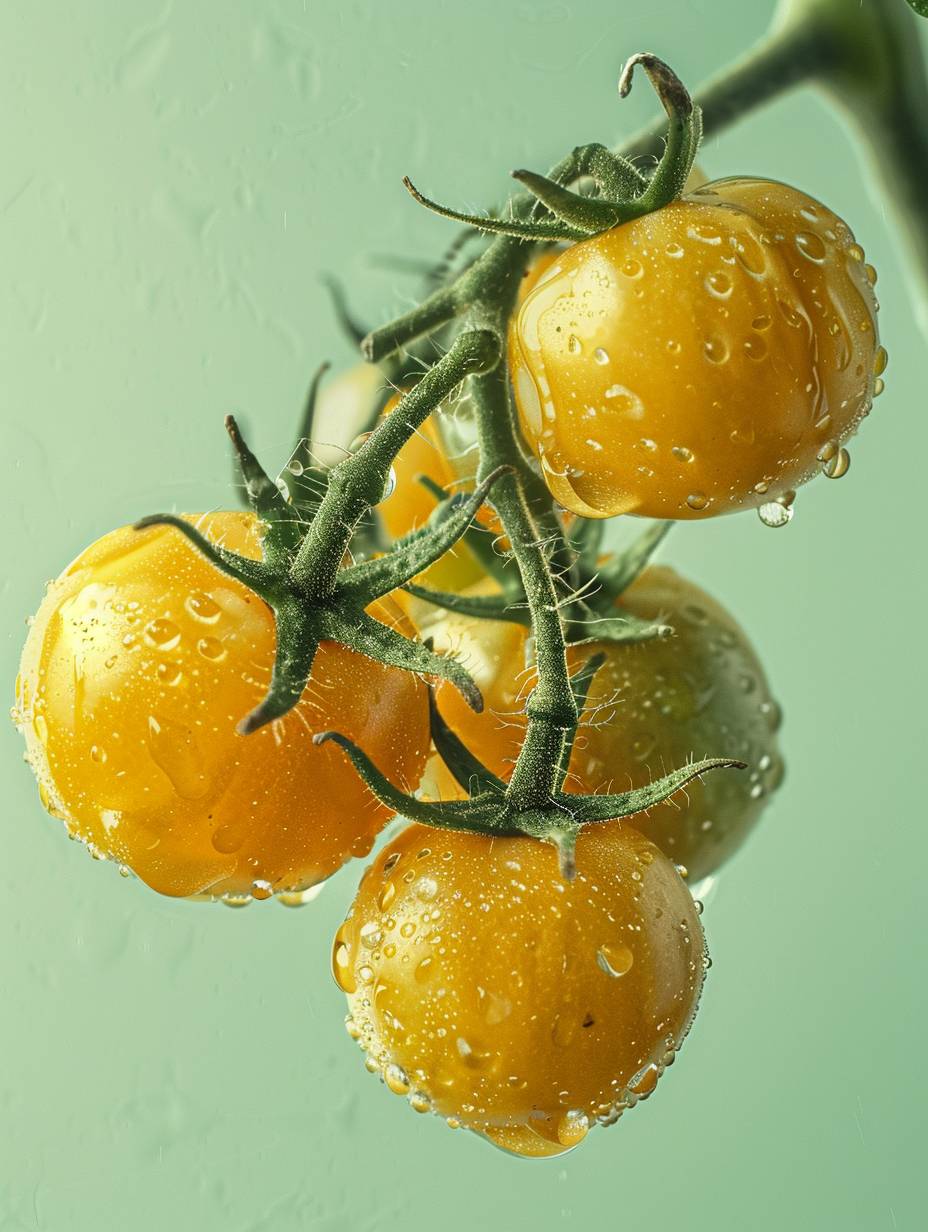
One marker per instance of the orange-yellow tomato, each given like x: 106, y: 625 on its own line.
x: 710, y: 356
x: 139, y: 664
x: 698, y: 693
x: 494, y: 993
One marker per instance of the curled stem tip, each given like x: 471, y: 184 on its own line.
x: 673, y: 94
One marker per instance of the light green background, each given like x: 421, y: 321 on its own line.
x: 174, y: 179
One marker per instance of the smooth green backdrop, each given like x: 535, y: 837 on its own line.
x: 174, y: 179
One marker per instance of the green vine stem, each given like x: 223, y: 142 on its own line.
x: 867, y: 57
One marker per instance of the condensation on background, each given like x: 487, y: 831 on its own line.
x: 174, y: 181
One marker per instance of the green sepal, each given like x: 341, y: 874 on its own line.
x: 344, y: 317
x: 618, y: 573
x: 435, y: 311
x: 297, y: 643
x: 683, y: 134
x: 251, y: 573
x: 482, y: 607
x: 500, y: 226
x: 284, y: 528
x: 444, y: 814
x: 617, y: 630
x: 468, y: 770
x: 308, y: 417
x: 414, y: 552
x: 617, y: 178
x: 376, y: 640
x: 480, y: 542
x: 588, y: 809
x: 585, y: 214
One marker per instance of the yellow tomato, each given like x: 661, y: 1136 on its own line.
x: 652, y: 706
x: 710, y: 356
x: 140, y: 662
x: 499, y: 996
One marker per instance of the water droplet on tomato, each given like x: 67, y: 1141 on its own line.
x: 202, y: 607
x: 162, y: 634
x: 697, y: 501
x: 811, y: 246
x: 837, y: 466
x: 341, y: 961
x: 615, y: 959
x: 775, y: 515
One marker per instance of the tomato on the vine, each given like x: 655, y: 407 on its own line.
x: 140, y: 662
x: 652, y: 706
x: 710, y: 356
x: 494, y: 993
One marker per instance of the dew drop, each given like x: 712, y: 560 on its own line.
x: 261, y: 889
x: 574, y: 345
x: 162, y: 634
x: 697, y: 501
x: 98, y: 754
x: 341, y: 962
x: 755, y: 348
x: 644, y: 1082
x: 880, y: 360
x: 715, y: 350
x: 615, y: 959
x: 775, y: 515
x: 202, y: 607
x: 211, y: 648
x: 632, y: 268
x: 837, y: 466
x: 719, y: 285
x: 674, y: 250
x: 811, y: 246
x: 396, y: 1080
x: 168, y: 672
x: 761, y: 323
x: 371, y: 935
x: 855, y: 252
x: 601, y: 356
x: 386, y: 896
x: 682, y: 454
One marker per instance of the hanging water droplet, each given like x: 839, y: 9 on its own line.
x: 396, y: 1079
x: 838, y: 465
x: 774, y: 514
x: 697, y: 501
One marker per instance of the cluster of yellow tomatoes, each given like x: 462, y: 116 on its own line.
x: 708, y: 357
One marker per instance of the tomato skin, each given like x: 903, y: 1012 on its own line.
x: 516, y: 1004
x: 652, y: 706
x: 140, y: 662
x: 708, y: 357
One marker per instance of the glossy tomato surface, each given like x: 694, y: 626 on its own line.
x: 140, y: 662
x: 492, y: 992
x: 652, y: 707
x: 711, y: 356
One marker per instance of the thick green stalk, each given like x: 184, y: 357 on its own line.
x: 358, y: 483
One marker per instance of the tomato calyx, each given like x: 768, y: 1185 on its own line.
x: 303, y: 576
x: 589, y: 612
x: 493, y: 807
x: 622, y: 192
